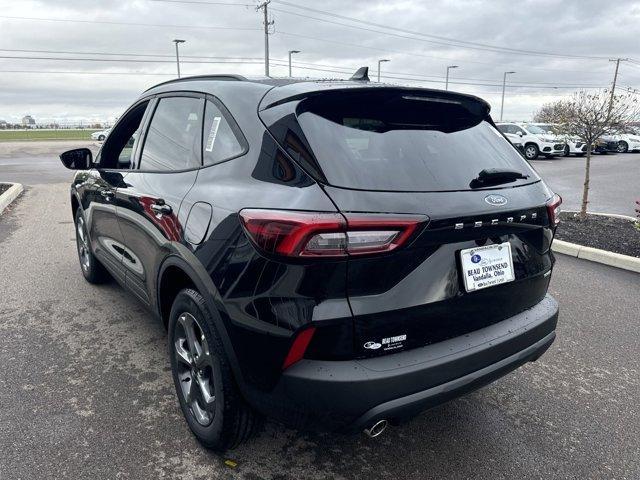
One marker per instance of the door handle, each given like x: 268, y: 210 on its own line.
x: 161, y: 208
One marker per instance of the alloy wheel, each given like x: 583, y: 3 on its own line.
x: 195, y: 369
x: 530, y: 152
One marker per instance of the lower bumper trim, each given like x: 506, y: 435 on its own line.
x: 420, y: 401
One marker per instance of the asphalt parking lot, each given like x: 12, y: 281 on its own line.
x: 86, y: 392
x: 614, y: 184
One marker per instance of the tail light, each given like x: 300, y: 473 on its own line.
x: 298, y: 347
x: 309, y: 234
x: 553, y: 209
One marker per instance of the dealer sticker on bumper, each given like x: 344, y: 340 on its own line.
x: 486, y: 266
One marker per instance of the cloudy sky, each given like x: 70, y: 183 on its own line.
x: 73, y: 59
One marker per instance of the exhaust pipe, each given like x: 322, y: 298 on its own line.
x: 376, y: 429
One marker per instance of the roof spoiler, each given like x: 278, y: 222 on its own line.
x: 361, y: 75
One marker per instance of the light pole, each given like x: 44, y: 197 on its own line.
x: 290, y: 53
x: 379, y: 62
x: 446, y: 84
x: 177, y: 41
x: 504, y: 82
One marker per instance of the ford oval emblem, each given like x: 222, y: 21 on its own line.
x: 496, y: 200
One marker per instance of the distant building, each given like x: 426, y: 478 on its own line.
x: 28, y: 121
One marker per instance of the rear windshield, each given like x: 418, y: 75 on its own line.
x: 404, y: 142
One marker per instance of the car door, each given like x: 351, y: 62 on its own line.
x: 100, y: 187
x: 149, y: 205
x: 520, y: 132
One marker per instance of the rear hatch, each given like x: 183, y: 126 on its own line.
x: 397, y: 151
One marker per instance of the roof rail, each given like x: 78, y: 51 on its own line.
x: 221, y: 77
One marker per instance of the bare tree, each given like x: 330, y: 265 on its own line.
x: 588, y: 116
x: 545, y: 114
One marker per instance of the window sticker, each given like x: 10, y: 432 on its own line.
x: 212, y: 134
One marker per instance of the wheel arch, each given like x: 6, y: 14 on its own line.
x: 175, y: 274
x: 75, y: 204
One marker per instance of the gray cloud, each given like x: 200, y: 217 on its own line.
x: 589, y: 28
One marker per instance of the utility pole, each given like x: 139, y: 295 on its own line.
x: 267, y: 24
x: 379, y: 62
x: 291, y: 52
x: 446, y: 83
x: 177, y: 41
x: 504, y: 83
x: 615, y: 79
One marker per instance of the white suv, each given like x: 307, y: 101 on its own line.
x: 536, y: 140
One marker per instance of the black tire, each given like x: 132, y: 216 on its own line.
x: 623, y: 147
x: 231, y: 420
x: 567, y: 151
x: 92, y: 270
x: 531, y: 151
x: 101, y: 138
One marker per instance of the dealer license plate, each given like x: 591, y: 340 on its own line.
x: 487, y: 266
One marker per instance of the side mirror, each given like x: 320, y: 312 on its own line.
x: 77, y: 159
x: 520, y: 133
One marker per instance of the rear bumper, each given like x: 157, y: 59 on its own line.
x: 351, y: 395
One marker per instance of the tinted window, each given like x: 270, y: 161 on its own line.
x: 505, y: 128
x: 220, y: 141
x: 117, y: 151
x: 174, y: 138
x: 536, y: 130
x: 379, y: 141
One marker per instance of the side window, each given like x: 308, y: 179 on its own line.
x: 504, y: 128
x: 174, y: 139
x: 220, y: 141
x: 117, y: 151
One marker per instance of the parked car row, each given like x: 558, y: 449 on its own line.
x: 535, y: 139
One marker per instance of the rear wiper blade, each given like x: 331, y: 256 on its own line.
x: 496, y: 176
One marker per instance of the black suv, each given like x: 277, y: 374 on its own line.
x: 334, y: 255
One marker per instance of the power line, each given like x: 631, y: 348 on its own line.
x: 129, y: 24
x: 304, y: 65
x: 120, y: 54
x: 351, y: 70
x: 202, y: 2
x: 412, y: 54
x: 459, y: 43
x: 283, y: 64
x: 457, y: 81
x: 79, y: 72
x: 307, y: 66
x: 133, y: 24
x: 123, y: 60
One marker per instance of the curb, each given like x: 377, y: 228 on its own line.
x: 614, y: 215
x: 605, y: 257
x: 10, y: 195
